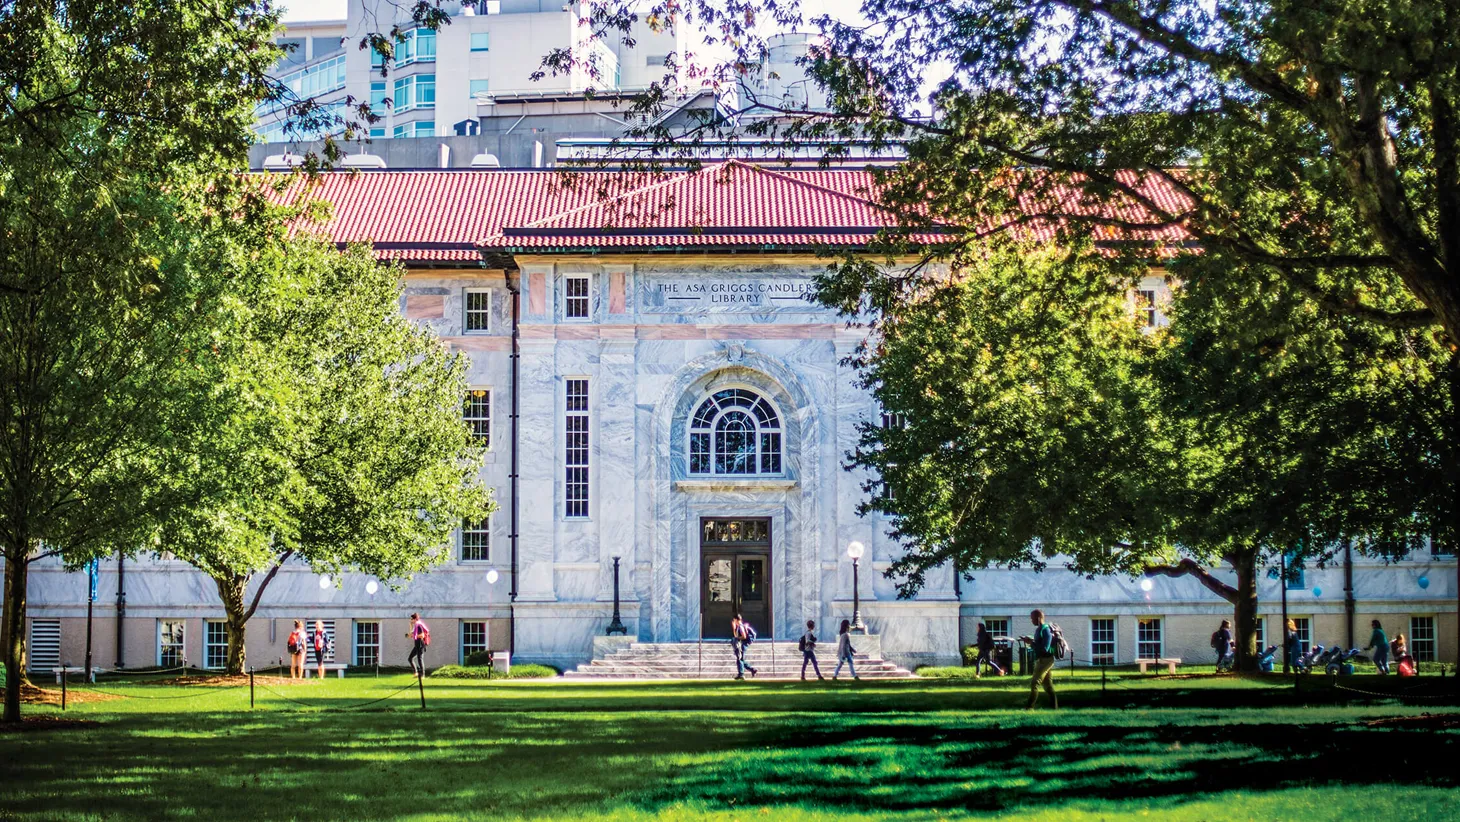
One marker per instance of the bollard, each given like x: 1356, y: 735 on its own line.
x: 1102, y: 680
x: 421, y: 682
x: 250, y: 689
x: 63, y: 687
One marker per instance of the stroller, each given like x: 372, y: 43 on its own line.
x: 1304, y: 663
x: 1265, y: 659
x: 1342, y: 662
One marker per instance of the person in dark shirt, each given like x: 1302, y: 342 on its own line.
x: 1379, y: 641
x: 1042, y: 646
x: 985, y: 644
x: 1223, y: 645
x: 1292, y: 646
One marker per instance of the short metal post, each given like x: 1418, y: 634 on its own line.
x: 63, y: 686
x: 1102, y: 680
x: 421, y: 683
x: 250, y: 688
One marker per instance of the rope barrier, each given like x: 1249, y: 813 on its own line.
x: 354, y: 707
x: 202, y: 690
x: 1393, y: 695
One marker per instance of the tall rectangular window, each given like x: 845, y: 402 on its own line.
x: 476, y: 87
x: 416, y: 91
x: 215, y: 643
x: 425, y: 93
x: 170, y: 635
x: 1422, y: 638
x: 1303, y: 627
x: 1146, y: 304
x: 478, y: 415
x: 481, y: 41
x: 367, y: 644
x: 377, y: 97
x: 473, y: 638
x: 575, y: 457
x: 1148, y: 638
x: 405, y: 94
x: 1102, y: 641
x: 419, y: 46
x: 575, y: 297
x: 1261, y: 635
x: 476, y: 540
x: 889, y: 487
x: 478, y: 302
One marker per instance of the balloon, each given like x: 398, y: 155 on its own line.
x: 492, y: 577
x: 371, y: 587
x: 1317, y: 592
x: 1424, y: 581
x: 1147, y: 585
x: 324, y: 581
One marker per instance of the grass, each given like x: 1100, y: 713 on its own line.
x: 1199, y: 748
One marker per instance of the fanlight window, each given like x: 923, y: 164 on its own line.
x: 735, y: 432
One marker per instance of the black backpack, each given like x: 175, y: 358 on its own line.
x: 1057, y: 642
x: 1216, y: 640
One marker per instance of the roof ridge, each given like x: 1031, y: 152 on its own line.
x: 676, y: 177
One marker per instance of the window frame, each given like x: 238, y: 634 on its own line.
x: 711, y: 447
x: 577, y: 459
x: 484, y: 530
x: 210, y: 645
x: 1143, y: 644
x: 357, y: 645
x: 586, y: 298
x: 1431, y: 643
x: 408, y: 94
x: 886, y: 489
x: 483, y: 313
x: 480, y: 424
x: 181, y: 645
x: 1113, y: 641
x: 1146, y: 304
x: 1303, y: 627
x: 472, y: 91
x: 1008, y: 626
x: 484, y: 645
x: 486, y: 38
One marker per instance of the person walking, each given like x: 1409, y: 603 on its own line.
x: 321, y: 643
x: 741, y: 635
x: 985, y: 644
x: 845, y: 651
x: 1292, y: 646
x: 420, y: 637
x: 1042, y: 645
x: 808, y: 650
x: 1380, y: 643
x: 295, y: 646
x: 1223, y: 644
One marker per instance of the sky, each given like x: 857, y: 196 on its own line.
x: 296, y: 10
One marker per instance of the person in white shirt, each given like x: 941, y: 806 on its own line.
x: 844, y: 650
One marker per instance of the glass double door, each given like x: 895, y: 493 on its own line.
x: 735, y: 576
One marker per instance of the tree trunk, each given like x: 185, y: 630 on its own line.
x: 1245, y: 564
x: 15, y: 575
x: 230, y: 590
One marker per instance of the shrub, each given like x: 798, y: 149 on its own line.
x: 477, y: 659
x: 945, y: 672
x: 527, y: 671
x: 970, y: 653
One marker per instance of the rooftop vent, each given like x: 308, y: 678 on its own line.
x: 486, y: 161
x: 364, y: 161
x: 281, y: 162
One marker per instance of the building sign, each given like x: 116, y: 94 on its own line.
x: 719, y: 293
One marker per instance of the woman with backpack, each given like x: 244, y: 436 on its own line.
x: 985, y: 644
x: 844, y: 650
x: 321, y: 643
x: 808, y: 650
x: 295, y: 646
x: 421, y: 637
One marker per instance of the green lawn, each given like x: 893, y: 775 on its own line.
x: 1151, y: 748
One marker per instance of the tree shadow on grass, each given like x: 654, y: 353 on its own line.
x: 401, y: 762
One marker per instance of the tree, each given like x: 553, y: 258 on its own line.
x: 1025, y: 434
x: 335, y: 436
x: 113, y: 122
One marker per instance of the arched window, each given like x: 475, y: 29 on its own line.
x: 735, y: 432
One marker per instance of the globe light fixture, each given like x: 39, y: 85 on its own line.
x: 855, y: 550
x: 371, y: 587
x: 1147, y: 585
x: 324, y: 581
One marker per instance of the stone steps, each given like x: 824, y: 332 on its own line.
x: 715, y: 660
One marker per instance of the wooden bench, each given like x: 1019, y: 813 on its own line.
x: 1169, y: 663
x: 75, y: 669
x: 337, y: 667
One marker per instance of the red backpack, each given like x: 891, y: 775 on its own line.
x: 425, y: 634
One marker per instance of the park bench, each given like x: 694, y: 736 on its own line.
x: 75, y: 669
x: 1170, y: 664
x: 337, y: 667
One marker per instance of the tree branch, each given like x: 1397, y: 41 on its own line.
x: 1190, y: 567
x: 264, y: 583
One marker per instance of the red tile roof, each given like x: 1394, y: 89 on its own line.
x: 454, y: 216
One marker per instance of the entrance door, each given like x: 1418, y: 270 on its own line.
x: 735, y: 575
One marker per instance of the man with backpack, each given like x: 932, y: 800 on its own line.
x: 421, y: 637
x: 808, y: 650
x: 1223, y: 646
x: 741, y: 635
x: 1046, y: 645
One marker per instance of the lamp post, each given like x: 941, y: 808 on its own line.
x: 855, y: 551
x: 617, y: 625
